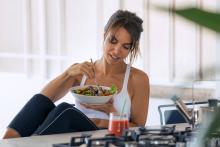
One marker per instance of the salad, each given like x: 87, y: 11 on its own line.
x: 94, y: 91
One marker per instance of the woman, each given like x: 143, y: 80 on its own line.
x: 121, y: 41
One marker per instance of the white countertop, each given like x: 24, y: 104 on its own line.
x: 48, y: 140
x: 45, y: 140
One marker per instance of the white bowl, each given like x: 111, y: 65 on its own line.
x: 90, y: 99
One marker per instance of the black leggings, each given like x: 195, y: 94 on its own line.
x: 41, y: 117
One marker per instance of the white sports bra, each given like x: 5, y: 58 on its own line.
x: 121, y: 100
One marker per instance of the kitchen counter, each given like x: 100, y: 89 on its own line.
x: 48, y: 140
x: 45, y: 140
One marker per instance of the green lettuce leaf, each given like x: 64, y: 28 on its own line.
x: 113, y: 89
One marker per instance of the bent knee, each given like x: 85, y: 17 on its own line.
x: 64, y: 106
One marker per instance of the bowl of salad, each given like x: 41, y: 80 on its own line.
x: 93, y: 94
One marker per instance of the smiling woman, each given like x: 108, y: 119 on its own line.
x: 121, y: 41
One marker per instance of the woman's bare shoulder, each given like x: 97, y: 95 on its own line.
x: 138, y: 75
x: 139, y: 84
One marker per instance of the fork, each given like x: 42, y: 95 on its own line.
x: 98, y: 87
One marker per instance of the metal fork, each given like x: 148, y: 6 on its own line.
x: 98, y: 87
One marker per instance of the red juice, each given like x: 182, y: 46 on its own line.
x: 117, y: 126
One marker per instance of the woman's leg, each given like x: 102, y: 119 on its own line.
x: 65, y: 118
x: 30, y: 117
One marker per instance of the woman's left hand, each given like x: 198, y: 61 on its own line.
x: 106, y: 108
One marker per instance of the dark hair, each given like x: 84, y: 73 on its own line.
x: 132, y: 23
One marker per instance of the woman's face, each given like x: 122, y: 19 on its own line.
x: 117, y: 45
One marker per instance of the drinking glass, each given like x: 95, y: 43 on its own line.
x: 117, y: 123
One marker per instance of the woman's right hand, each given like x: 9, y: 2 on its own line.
x: 79, y: 69
x: 106, y: 108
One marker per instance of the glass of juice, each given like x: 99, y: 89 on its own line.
x: 117, y: 123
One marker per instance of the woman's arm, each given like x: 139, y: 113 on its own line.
x: 140, y: 98
x: 58, y: 87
